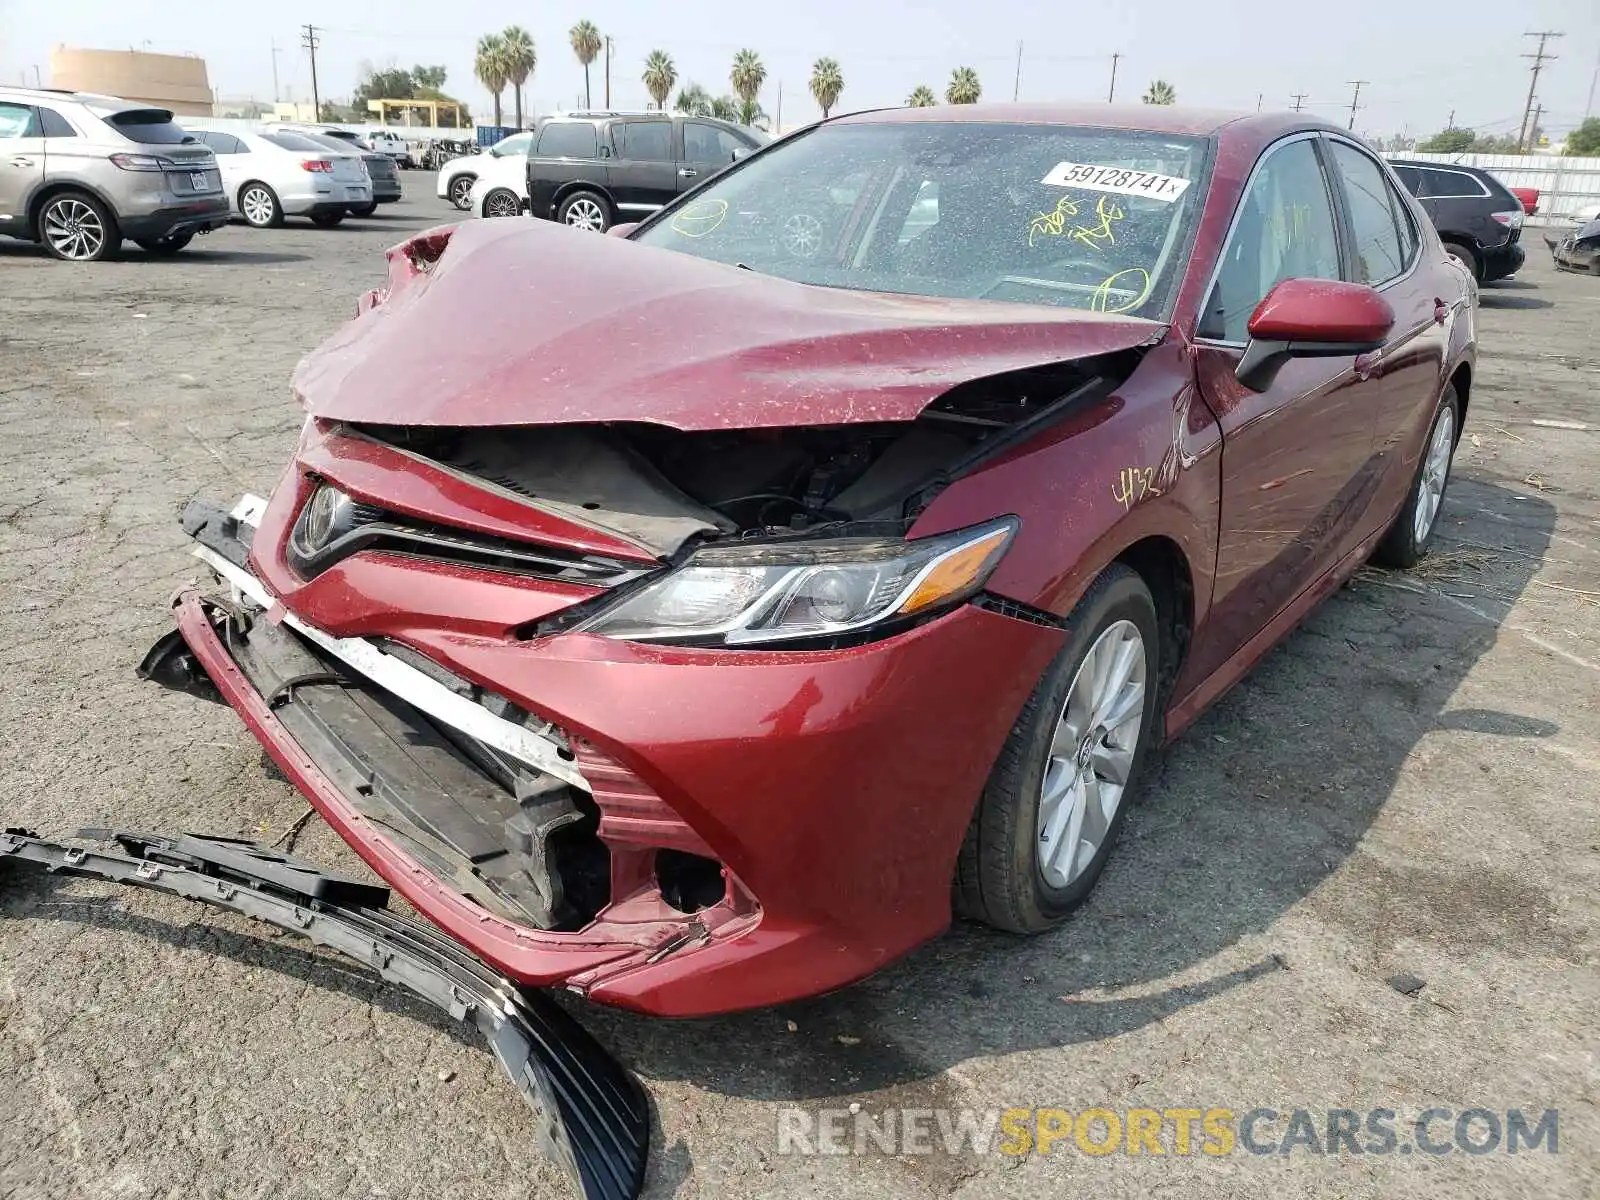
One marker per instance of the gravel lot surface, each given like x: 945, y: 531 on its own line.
x: 1408, y: 786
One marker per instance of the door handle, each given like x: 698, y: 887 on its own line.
x: 1366, y: 362
x: 1441, y: 310
x: 687, y: 172
x: 22, y: 161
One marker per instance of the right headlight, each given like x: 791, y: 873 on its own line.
x: 774, y: 592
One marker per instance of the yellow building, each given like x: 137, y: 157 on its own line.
x: 173, y: 81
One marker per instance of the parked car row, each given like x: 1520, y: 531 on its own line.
x: 593, y: 169
x: 81, y: 173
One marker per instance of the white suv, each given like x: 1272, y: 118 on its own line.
x: 79, y: 173
x: 458, y: 175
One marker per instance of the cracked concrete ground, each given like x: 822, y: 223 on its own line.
x: 1408, y: 785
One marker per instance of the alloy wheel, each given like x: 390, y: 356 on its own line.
x: 584, y: 213
x: 503, y: 204
x: 257, y: 205
x: 73, y: 229
x: 1091, y: 754
x: 460, y: 191
x: 1435, y: 471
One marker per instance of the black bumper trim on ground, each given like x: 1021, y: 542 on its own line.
x: 592, y: 1116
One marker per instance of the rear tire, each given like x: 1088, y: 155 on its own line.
x: 260, y: 207
x: 364, y: 210
x: 585, y: 210
x: 327, y: 220
x: 167, y: 246
x: 1022, y: 874
x: 1407, y: 541
x: 76, y: 227
x: 1467, y: 257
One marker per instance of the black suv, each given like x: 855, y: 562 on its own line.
x: 1478, y: 219
x: 594, y: 169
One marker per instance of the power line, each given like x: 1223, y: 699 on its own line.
x: 310, y: 40
x: 1299, y: 100
x: 1355, y: 101
x: 1539, y: 58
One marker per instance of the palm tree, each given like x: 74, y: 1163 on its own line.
x: 921, y: 97
x: 751, y: 113
x: 693, y: 100
x: 1160, y: 92
x: 964, y: 87
x: 586, y: 45
x: 521, y: 59
x: 826, y: 84
x: 725, y: 108
x: 747, y: 76
x: 659, y: 76
x: 490, y: 67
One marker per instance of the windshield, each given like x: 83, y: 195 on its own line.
x: 1039, y: 214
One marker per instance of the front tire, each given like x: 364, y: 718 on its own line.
x: 76, y: 227
x: 1056, y: 799
x: 585, y: 210
x: 260, y: 207
x: 1407, y: 541
x: 461, y: 191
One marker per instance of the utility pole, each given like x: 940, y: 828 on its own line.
x: 1111, y: 96
x: 1539, y: 59
x: 1354, y: 101
x: 1016, y: 87
x: 274, y: 71
x: 1533, y: 127
x: 608, y: 72
x: 1260, y: 96
x: 1451, y: 123
x: 310, y: 40
x: 777, y: 120
x: 1299, y: 100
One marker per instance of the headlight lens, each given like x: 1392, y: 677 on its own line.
x: 747, y: 595
x: 328, y: 516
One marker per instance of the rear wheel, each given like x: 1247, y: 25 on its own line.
x: 502, y: 202
x: 585, y: 210
x: 77, y: 227
x: 461, y: 191
x: 327, y: 220
x: 364, y: 210
x: 1407, y: 541
x: 1467, y: 257
x: 171, y: 244
x: 1059, y: 792
x: 259, y: 206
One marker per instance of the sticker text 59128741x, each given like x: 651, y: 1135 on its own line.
x: 1123, y: 181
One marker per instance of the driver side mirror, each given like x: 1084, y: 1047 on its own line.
x: 742, y: 152
x: 1312, y: 318
x: 623, y: 231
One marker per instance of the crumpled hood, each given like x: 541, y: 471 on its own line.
x: 525, y: 322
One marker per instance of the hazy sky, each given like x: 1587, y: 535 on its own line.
x: 1421, y: 60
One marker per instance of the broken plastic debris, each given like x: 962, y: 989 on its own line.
x: 1406, y: 985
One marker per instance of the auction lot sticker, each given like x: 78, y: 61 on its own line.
x: 1123, y: 181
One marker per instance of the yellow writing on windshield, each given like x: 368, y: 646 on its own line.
x: 699, y: 218
x: 1113, y: 294
x: 1054, y: 222
x: 1101, y: 235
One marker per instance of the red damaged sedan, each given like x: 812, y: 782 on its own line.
x: 827, y: 554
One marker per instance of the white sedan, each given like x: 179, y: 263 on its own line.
x: 501, y: 189
x: 277, y: 174
x: 458, y: 175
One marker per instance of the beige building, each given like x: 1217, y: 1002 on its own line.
x: 173, y: 81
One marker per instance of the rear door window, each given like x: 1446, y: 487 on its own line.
x: 1410, y: 177
x: 1444, y: 185
x: 708, y: 143
x: 567, y: 139
x: 149, y: 127
x: 1379, y: 256
x: 644, y: 141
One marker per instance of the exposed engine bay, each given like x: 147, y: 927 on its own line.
x: 665, y: 488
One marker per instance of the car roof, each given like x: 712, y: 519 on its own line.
x: 1147, y: 118
x: 95, y: 101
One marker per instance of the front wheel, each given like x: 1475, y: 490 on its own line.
x: 77, y: 227
x: 585, y: 210
x: 461, y: 191
x: 327, y: 220
x: 1057, y: 796
x: 171, y: 244
x: 1407, y: 541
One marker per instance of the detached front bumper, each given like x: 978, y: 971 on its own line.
x: 833, y: 788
